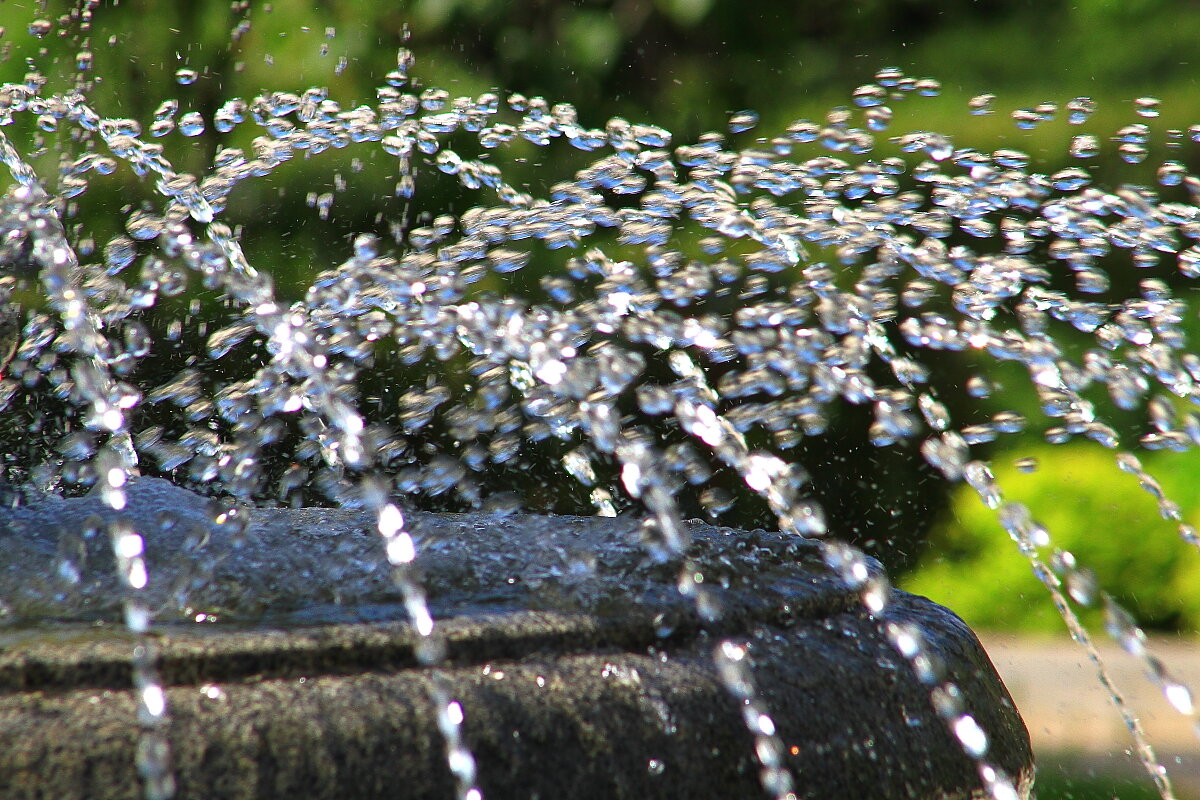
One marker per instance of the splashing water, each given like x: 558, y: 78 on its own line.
x: 695, y: 311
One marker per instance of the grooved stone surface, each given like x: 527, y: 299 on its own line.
x: 580, y: 670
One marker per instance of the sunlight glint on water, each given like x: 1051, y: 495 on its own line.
x: 819, y: 262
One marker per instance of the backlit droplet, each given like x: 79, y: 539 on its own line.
x: 742, y: 121
x: 1085, y: 146
x: 1147, y: 106
x: 1026, y: 464
x: 981, y: 104
x: 1080, y: 109
x: 1180, y: 697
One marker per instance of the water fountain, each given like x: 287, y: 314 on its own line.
x: 660, y: 332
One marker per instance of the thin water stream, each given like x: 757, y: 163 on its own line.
x: 696, y: 311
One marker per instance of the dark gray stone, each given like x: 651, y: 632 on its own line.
x: 581, y: 671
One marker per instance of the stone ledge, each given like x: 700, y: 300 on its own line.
x: 596, y: 699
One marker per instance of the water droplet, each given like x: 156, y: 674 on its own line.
x: 981, y: 105
x: 1026, y: 464
x: 1180, y: 697
x: 743, y: 121
x: 928, y: 87
x: 1147, y: 106
x: 1070, y: 179
x: 869, y: 96
x: 1085, y: 146
x: 889, y: 77
x: 1080, y: 109
x: 1016, y: 159
x: 974, y: 740
x: 1172, y: 173
x: 191, y: 124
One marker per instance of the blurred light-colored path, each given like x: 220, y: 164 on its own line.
x: 1070, y: 716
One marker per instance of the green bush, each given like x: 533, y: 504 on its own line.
x: 1092, y: 509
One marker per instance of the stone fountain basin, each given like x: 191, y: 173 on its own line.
x: 581, y: 671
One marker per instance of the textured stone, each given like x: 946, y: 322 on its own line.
x: 581, y: 671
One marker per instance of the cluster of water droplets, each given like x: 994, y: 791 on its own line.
x: 707, y: 307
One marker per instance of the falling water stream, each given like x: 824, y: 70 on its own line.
x: 698, y: 310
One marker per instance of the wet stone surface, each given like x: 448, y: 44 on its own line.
x: 327, y: 565
x: 588, y: 682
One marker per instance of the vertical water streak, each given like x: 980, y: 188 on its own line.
x: 297, y: 355
x: 1029, y: 538
x: 298, y: 368
x: 770, y: 477
x: 106, y: 403
x: 948, y: 453
x: 430, y: 649
x: 640, y: 475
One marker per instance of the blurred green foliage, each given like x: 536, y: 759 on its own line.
x: 1067, y: 781
x: 682, y: 64
x: 1091, y: 509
